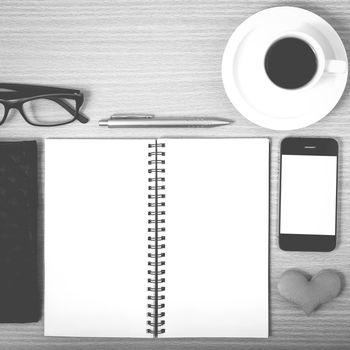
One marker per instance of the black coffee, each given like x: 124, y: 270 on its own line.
x: 290, y: 63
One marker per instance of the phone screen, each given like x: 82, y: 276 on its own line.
x: 308, y: 194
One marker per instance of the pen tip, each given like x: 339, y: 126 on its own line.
x: 103, y: 122
x: 227, y: 121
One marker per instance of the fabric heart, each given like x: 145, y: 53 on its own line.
x: 309, y: 294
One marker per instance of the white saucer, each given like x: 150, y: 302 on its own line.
x: 255, y: 96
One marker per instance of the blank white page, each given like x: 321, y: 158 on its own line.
x: 217, y: 223
x: 96, y: 238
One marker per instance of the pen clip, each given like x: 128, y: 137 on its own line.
x: 131, y: 116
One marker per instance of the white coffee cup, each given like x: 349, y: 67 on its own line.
x: 325, y: 65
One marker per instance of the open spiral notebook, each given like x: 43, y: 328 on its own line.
x: 156, y: 238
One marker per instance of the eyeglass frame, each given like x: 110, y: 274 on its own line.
x: 23, y: 93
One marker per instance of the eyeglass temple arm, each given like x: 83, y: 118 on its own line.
x: 69, y: 109
x: 28, y: 88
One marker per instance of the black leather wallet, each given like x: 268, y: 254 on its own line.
x: 19, y: 292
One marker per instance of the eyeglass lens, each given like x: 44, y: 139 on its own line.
x: 2, y: 112
x: 43, y: 111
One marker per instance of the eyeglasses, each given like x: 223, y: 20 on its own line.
x: 41, y: 105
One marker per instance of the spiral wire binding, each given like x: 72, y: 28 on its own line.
x: 156, y: 238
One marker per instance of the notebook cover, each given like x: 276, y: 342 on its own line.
x: 19, y: 294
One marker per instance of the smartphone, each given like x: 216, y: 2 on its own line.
x: 308, y: 194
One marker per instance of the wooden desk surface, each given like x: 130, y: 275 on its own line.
x: 164, y: 57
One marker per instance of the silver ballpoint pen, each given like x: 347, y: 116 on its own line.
x: 149, y: 121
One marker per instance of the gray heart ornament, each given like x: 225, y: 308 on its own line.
x: 307, y: 293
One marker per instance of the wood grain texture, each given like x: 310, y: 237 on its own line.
x: 164, y: 57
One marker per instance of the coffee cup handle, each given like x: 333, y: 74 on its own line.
x: 335, y: 66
